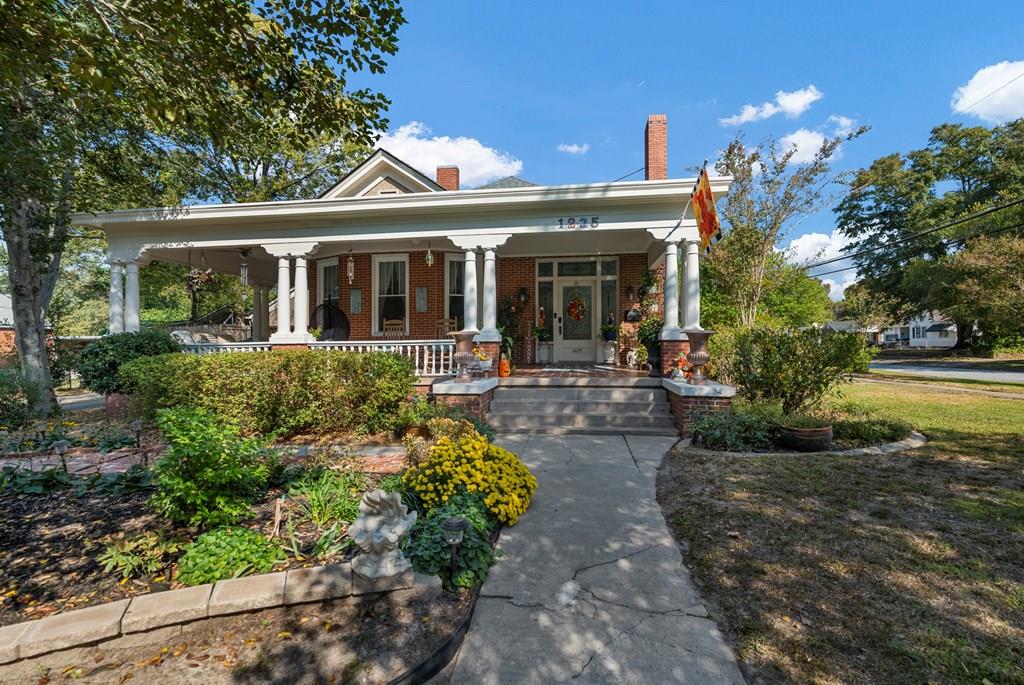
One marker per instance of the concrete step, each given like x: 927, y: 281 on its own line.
x: 588, y: 430
x: 518, y: 406
x: 621, y: 422
x: 581, y: 393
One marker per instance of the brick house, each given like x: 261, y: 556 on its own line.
x: 405, y: 256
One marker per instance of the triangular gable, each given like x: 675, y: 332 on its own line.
x: 378, y: 167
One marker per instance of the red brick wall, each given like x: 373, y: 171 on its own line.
x: 8, y: 352
x: 656, y: 147
x: 448, y: 177
x: 478, y: 405
x: 687, y: 410
x: 513, y: 273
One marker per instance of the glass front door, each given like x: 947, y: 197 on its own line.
x: 574, y: 329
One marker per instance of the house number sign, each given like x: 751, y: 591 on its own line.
x: 573, y: 223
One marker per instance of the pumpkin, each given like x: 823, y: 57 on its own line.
x: 505, y: 368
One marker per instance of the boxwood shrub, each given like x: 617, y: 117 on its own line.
x: 99, y: 361
x: 286, y: 392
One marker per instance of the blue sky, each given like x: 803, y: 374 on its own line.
x: 498, y: 87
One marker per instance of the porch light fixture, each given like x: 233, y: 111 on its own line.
x: 350, y: 267
x: 430, y: 256
x: 454, y: 529
x: 630, y: 293
x: 245, y: 268
x: 524, y: 295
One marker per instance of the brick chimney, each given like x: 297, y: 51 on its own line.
x: 655, y: 148
x: 448, y: 177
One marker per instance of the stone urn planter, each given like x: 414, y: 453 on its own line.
x: 611, y: 352
x: 654, y: 359
x: 544, y: 352
x: 816, y: 439
x: 463, y: 356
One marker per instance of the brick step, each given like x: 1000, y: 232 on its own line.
x: 582, y: 393
x: 588, y: 430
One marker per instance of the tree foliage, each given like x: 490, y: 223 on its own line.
x: 103, y: 104
x: 769, y: 191
x: 892, y: 204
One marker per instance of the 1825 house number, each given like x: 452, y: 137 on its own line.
x: 573, y: 223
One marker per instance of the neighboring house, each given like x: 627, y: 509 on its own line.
x: 873, y: 334
x: 408, y: 257
x: 8, y: 353
x: 927, y: 331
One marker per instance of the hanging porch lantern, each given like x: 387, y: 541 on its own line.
x: 430, y: 256
x: 244, y: 270
x: 350, y: 267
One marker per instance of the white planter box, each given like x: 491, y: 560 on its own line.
x: 544, y: 352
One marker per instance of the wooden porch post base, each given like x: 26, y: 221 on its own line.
x: 670, y: 351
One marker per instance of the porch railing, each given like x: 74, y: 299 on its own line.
x: 221, y: 348
x: 429, y: 357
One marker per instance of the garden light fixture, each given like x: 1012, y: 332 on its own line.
x: 60, y: 447
x: 454, y: 529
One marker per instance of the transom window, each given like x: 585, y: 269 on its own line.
x: 390, y: 290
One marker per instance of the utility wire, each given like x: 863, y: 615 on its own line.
x: 949, y: 224
x: 629, y: 174
x: 948, y: 243
x: 982, y: 99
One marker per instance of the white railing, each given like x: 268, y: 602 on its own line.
x: 220, y: 348
x: 429, y: 357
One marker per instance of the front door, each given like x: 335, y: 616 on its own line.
x: 574, y: 326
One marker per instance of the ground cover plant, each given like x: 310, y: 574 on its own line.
x: 870, y: 569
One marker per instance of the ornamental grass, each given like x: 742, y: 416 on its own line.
x: 471, y: 464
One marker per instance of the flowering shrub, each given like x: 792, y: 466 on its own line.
x: 471, y: 464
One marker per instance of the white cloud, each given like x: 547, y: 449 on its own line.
x: 791, y: 104
x: 806, y: 142
x: 478, y: 164
x: 812, y: 247
x: 574, y: 148
x: 843, y: 125
x: 994, y: 94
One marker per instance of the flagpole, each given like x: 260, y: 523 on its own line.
x: 703, y: 170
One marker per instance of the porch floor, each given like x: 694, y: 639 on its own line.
x: 579, y: 375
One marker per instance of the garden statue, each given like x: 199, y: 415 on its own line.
x: 382, y: 522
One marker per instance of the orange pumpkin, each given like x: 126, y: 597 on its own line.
x: 505, y: 368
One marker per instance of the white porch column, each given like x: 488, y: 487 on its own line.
x: 256, y: 326
x: 301, y: 298
x: 469, y: 296
x: 284, y: 296
x: 265, y: 314
x: 490, y: 333
x: 116, y: 300
x: 670, y: 328
x: 131, y: 297
x: 691, y: 313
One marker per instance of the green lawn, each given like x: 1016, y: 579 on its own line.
x: 905, y: 568
x: 964, y: 383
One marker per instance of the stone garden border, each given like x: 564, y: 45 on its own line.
x: 913, y: 441
x: 154, y: 617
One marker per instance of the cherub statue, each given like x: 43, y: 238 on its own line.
x: 382, y: 522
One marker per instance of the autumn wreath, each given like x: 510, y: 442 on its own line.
x: 577, y: 308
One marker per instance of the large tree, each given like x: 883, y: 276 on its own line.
x: 909, y: 215
x: 771, y: 190
x: 98, y: 97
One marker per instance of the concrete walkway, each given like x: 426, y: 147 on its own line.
x: 87, y: 400
x: 591, y: 587
x: 946, y: 372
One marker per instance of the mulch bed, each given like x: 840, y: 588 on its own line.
x: 50, y: 544
x: 368, y: 639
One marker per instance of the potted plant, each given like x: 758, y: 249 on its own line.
x: 609, y: 332
x: 542, y: 336
x: 805, y: 432
x: 482, y: 360
x: 649, y: 335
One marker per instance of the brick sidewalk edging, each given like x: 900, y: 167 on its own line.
x: 155, y: 616
x: 913, y: 441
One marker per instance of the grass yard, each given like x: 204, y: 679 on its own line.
x: 960, y: 383
x: 905, y: 568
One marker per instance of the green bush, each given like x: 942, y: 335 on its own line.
x: 427, y: 545
x: 737, y: 431
x: 15, y: 395
x: 284, y: 392
x: 210, y: 473
x: 797, y: 368
x: 99, y: 361
x: 649, y: 331
x: 227, y: 553
x: 869, y: 431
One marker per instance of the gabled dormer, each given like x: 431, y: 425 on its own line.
x: 383, y: 174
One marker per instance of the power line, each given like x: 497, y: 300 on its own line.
x: 629, y: 174
x: 955, y: 222
x: 1018, y: 76
x: 948, y: 243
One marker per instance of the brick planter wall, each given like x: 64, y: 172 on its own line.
x: 688, y: 410
x: 477, y: 405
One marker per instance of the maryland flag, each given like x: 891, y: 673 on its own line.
x: 704, y: 211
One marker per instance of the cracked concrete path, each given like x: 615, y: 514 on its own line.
x: 591, y: 587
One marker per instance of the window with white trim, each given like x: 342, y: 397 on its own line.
x: 390, y: 290
x: 328, y: 287
x: 454, y: 284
